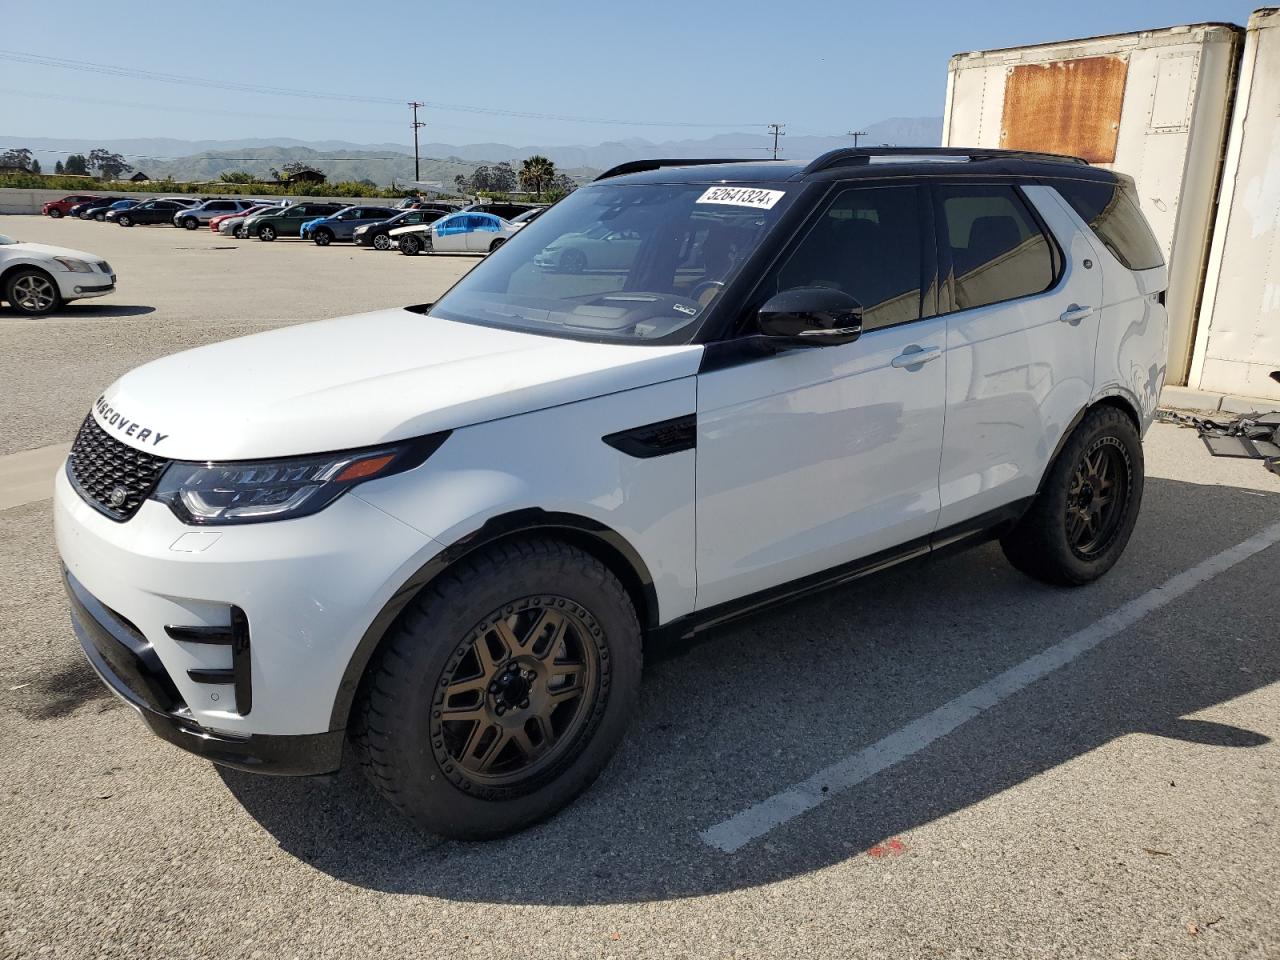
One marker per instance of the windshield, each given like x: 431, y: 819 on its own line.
x: 618, y: 262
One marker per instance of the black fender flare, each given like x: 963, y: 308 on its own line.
x: 610, y: 547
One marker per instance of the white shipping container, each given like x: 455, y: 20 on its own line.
x: 1238, y: 342
x: 1154, y: 105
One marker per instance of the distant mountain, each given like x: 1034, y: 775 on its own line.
x: 381, y: 162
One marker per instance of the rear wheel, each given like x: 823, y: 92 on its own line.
x: 381, y: 241
x: 1083, y: 516
x: 267, y: 232
x: 503, y: 690
x: 322, y: 238
x: 32, y: 292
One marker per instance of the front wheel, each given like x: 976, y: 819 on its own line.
x: 190, y: 223
x: 573, y: 261
x: 1083, y: 516
x: 503, y: 691
x: 100, y: 217
x: 240, y: 232
x: 125, y: 221
x: 322, y: 238
x: 55, y: 213
x: 267, y: 233
x: 32, y: 292
x: 497, y: 243
x: 381, y: 242
x: 410, y: 245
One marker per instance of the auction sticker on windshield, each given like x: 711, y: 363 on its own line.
x: 742, y: 197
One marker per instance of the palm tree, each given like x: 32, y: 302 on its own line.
x: 535, y: 173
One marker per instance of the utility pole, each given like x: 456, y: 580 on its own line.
x: 776, y: 130
x: 416, y: 127
x: 856, y: 134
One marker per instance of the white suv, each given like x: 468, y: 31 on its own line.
x: 447, y: 532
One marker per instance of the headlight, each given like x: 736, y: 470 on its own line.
x: 252, y: 491
x: 75, y: 266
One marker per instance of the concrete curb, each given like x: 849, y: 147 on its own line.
x: 1186, y: 398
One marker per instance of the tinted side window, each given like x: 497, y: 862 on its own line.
x: 868, y: 244
x: 998, y: 251
x: 1112, y: 213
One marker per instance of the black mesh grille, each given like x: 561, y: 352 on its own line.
x: 113, y: 476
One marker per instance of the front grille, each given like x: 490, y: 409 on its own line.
x: 112, y: 476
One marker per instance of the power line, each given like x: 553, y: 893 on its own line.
x: 857, y: 135
x: 133, y: 73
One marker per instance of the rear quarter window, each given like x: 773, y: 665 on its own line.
x: 1111, y: 211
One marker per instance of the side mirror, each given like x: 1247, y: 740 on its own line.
x: 811, y: 316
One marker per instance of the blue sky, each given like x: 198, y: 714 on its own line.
x: 820, y: 66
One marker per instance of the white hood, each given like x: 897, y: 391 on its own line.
x: 362, y: 380
x: 48, y: 250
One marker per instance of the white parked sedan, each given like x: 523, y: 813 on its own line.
x: 36, y: 278
x: 457, y: 233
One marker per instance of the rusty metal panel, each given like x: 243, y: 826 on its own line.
x: 1065, y: 106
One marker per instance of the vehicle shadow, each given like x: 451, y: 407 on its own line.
x: 767, y: 702
x: 85, y: 311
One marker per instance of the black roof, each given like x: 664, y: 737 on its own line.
x: 865, y: 162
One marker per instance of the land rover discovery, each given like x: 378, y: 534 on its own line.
x: 445, y: 534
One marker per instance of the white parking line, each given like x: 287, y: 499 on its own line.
x: 733, y: 834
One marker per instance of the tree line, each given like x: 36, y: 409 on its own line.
x: 536, y: 175
x: 109, y: 166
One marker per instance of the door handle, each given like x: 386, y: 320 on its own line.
x: 1075, y: 313
x: 915, y: 356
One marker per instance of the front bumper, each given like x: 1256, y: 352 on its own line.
x: 128, y: 665
x: 307, y: 590
x: 78, y: 286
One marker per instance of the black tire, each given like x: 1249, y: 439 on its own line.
x: 32, y: 292
x: 497, y: 243
x: 240, y: 232
x: 410, y: 245
x: 190, y: 223
x: 55, y: 214
x: 573, y: 261
x: 322, y: 238
x: 381, y: 241
x: 125, y: 220
x: 412, y: 755
x: 1073, y: 534
x: 266, y: 232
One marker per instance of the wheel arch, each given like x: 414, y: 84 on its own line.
x: 595, y: 538
x: 1117, y: 401
x: 20, y: 266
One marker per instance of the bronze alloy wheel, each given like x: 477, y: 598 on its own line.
x: 517, y: 696
x: 1098, y: 497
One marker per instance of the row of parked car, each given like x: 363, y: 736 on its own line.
x: 414, y: 227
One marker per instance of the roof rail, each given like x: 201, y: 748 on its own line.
x: 846, y: 156
x: 640, y: 166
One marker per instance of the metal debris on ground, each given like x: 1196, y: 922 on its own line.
x: 1252, y: 436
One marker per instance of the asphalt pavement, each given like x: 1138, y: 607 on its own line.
x: 1010, y: 770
